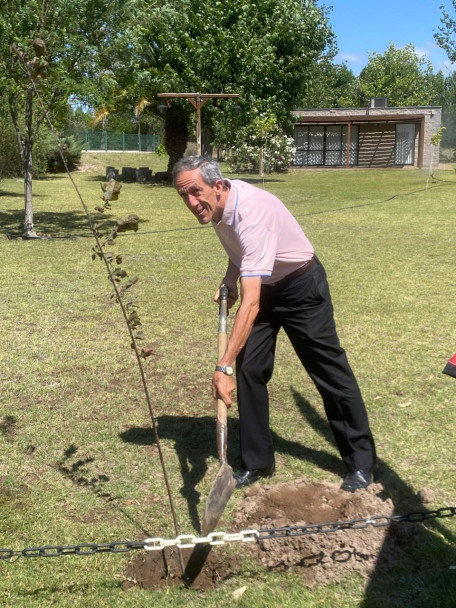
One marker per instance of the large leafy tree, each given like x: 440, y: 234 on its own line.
x: 446, y: 34
x: 48, y: 50
x: 446, y: 39
x: 261, y: 50
x: 399, y: 74
x: 447, y: 99
x: 330, y: 86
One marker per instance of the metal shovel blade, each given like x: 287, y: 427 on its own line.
x: 220, y: 493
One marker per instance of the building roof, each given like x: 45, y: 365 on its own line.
x: 357, y: 118
x: 359, y: 115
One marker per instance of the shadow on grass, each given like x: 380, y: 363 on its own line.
x: 65, y: 224
x: 78, y: 472
x: 8, y: 427
x: 14, y: 194
x: 68, y: 222
x: 260, y: 180
x: 419, y: 572
x: 195, y: 442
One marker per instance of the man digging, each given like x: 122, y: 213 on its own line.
x: 283, y: 285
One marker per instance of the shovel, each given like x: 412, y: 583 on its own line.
x: 224, y: 483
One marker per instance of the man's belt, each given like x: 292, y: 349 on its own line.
x: 307, y: 267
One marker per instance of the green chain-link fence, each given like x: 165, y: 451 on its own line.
x: 106, y: 140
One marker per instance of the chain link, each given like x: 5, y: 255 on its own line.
x: 189, y: 541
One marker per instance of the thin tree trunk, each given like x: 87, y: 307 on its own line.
x: 28, y: 194
x: 27, y: 162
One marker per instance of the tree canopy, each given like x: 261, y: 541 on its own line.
x: 263, y: 51
x: 399, y: 74
x: 446, y: 34
x: 330, y: 86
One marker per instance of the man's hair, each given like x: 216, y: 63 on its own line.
x: 209, y: 169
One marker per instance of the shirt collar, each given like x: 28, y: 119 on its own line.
x: 229, y: 211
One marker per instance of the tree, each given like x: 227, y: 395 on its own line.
x: 446, y: 39
x: 48, y: 48
x: 448, y: 102
x: 261, y: 50
x: 330, y: 86
x: 401, y: 75
x: 446, y: 34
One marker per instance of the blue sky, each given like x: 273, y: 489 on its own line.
x: 363, y: 26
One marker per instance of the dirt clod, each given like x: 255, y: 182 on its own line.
x: 426, y: 496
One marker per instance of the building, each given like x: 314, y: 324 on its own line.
x: 379, y: 136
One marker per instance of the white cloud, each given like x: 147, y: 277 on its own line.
x: 350, y: 57
x: 422, y: 52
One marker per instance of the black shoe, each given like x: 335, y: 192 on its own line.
x: 246, y: 478
x: 356, y: 480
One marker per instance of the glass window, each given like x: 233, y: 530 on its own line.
x: 405, y: 144
x: 325, y: 145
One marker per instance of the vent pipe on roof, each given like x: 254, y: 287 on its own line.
x: 379, y: 102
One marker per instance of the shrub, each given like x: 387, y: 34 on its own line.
x: 71, y: 149
x: 46, y: 156
x: 10, y: 160
x: 278, y: 154
x: 263, y: 133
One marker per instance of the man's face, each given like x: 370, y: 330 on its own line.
x: 200, y: 198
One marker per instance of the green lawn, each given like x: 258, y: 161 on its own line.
x: 78, y: 460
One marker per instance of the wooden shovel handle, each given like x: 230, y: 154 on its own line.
x: 222, y: 344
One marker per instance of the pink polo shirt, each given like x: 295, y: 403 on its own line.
x: 260, y: 235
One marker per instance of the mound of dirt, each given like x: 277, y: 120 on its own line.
x: 319, y: 558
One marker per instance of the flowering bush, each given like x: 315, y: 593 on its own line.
x: 278, y: 154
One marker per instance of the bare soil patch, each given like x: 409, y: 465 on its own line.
x: 86, y: 167
x: 318, y: 558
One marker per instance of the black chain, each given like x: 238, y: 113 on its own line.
x: 81, y: 549
x: 355, y: 524
x: 268, y: 533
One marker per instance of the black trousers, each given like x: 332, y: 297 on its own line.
x: 302, y: 307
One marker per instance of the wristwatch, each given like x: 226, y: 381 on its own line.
x: 226, y: 369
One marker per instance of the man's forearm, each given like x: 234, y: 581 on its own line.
x: 232, y: 274
x: 244, y: 320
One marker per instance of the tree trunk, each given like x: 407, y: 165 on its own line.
x: 207, y: 137
x: 27, y: 163
x: 175, y: 135
x: 28, y: 194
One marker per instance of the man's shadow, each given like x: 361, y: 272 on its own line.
x: 195, y: 444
